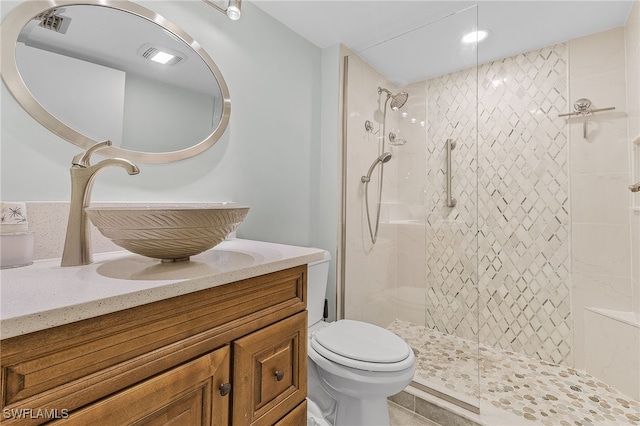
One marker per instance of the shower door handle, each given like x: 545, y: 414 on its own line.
x: 451, y: 144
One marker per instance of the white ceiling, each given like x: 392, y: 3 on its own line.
x: 114, y: 39
x: 409, y: 41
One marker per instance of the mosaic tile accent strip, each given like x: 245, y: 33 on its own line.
x: 523, y: 387
x: 512, y: 191
x: 451, y: 248
x: 523, y: 218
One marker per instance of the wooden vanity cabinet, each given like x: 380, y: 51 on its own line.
x: 270, y: 372
x: 183, y: 395
x: 234, y: 354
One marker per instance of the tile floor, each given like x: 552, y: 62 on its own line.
x: 522, y: 389
x: 399, y: 416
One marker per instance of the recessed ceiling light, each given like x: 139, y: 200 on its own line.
x: 161, y: 57
x: 475, y: 36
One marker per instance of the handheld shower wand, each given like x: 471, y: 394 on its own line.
x: 380, y: 160
x: 385, y: 157
x: 397, y: 102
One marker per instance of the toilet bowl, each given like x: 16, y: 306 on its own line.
x: 353, y: 366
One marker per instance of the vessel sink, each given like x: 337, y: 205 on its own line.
x: 170, y: 232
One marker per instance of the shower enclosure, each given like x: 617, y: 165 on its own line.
x: 485, y: 259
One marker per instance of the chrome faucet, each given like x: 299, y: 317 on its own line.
x: 77, y: 244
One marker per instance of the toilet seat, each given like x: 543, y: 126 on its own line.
x: 362, y: 346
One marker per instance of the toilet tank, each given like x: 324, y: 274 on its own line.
x: 316, y: 287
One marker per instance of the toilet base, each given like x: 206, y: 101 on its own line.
x: 351, y: 412
x: 315, y: 416
x: 326, y: 410
x: 356, y: 411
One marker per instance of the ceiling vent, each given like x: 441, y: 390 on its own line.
x: 50, y: 20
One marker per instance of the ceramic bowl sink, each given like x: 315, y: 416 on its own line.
x: 171, y: 232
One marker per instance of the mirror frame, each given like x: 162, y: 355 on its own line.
x: 15, y: 21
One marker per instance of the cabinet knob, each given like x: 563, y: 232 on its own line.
x: 279, y: 374
x: 225, y: 388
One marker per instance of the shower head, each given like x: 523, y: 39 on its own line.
x: 399, y: 100
x: 385, y: 157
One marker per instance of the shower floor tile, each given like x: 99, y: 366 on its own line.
x: 526, y: 389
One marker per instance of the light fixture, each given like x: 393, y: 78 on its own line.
x: 232, y: 10
x: 161, y: 55
x: 475, y: 36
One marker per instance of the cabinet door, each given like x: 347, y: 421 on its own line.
x: 270, y: 372
x: 186, y: 395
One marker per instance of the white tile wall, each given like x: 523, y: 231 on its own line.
x: 613, y: 348
x: 632, y: 44
x: 370, y: 270
x: 600, y: 174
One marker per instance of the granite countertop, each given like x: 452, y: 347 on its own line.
x: 45, y: 295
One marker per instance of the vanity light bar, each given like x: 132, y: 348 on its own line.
x: 233, y: 10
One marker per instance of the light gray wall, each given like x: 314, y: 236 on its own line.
x: 152, y: 109
x: 266, y: 158
x: 85, y: 96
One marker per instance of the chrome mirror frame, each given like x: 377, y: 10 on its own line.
x: 15, y: 21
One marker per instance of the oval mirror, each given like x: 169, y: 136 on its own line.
x: 95, y: 70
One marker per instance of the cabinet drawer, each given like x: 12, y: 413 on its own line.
x: 270, y: 372
x: 185, y: 395
x: 297, y: 417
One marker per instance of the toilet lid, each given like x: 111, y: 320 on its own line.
x: 361, y: 341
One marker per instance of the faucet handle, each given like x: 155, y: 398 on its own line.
x: 82, y: 159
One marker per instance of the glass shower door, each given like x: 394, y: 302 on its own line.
x: 451, y: 225
x: 420, y: 278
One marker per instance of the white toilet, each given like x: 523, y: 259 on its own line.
x: 352, y: 366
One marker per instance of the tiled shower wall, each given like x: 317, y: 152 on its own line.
x: 632, y: 54
x: 512, y: 179
x: 370, y: 269
x: 523, y: 193
x: 451, y: 248
x: 520, y: 183
x: 600, y: 200
x: 511, y: 188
